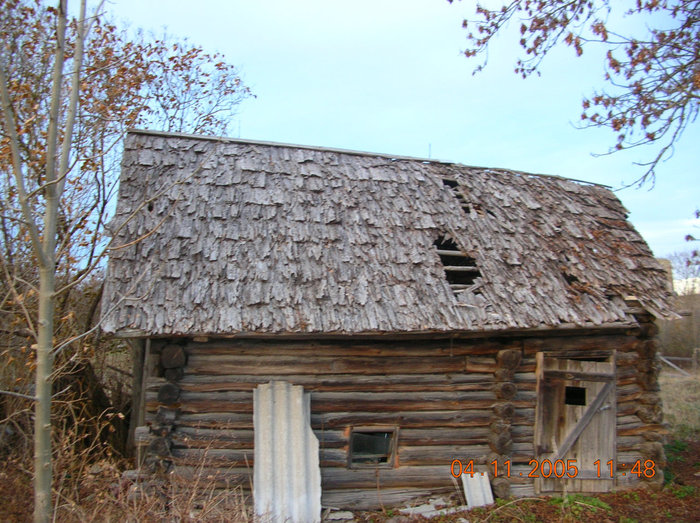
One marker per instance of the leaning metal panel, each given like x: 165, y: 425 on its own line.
x: 287, y: 477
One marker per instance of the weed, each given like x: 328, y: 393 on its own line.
x: 579, y: 499
x: 674, y: 449
x: 683, y: 491
x: 577, y: 505
x: 625, y: 519
x: 633, y: 496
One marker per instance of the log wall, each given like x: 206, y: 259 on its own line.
x: 467, y: 399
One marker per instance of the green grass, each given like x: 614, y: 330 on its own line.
x: 577, y: 504
x: 674, y: 449
x: 682, y: 491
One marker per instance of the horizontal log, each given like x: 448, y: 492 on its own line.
x: 215, y: 476
x: 526, y: 448
x: 642, y: 429
x: 626, y: 419
x: 458, y: 254
x: 630, y: 388
x: 232, y: 439
x: 373, y: 499
x: 629, y: 397
x: 629, y: 442
x: 448, y: 418
x: 484, y: 365
x: 529, y: 396
x: 442, y: 436
x: 525, y: 378
x: 382, y: 478
x: 385, y: 347
x: 627, y: 408
x: 409, y: 456
x: 594, y: 346
x: 241, y: 402
x: 625, y: 359
x: 342, y: 382
x: 461, y: 268
x: 579, y: 376
x: 215, y: 420
x: 522, y: 432
x: 528, y: 365
x: 331, y: 477
x: 334, y: 420
x: 287, y: 365
x: 628, y: 458
x: 209, y: 457
x: 626, y: 372
x: 201, y: 437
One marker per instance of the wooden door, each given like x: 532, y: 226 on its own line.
x: 575, y: 420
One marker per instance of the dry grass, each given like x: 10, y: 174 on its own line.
x: 111, y: 499
x: 681, y: 401
x: 96, y: 491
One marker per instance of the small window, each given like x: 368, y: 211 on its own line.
x: 575, y: 396
x: 372, y: 447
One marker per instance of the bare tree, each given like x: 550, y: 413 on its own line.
x: 653, y: 72
x: 69, y: 88
x: 43, y: 237
x: 686, y: 273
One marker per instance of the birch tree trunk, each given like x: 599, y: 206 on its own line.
x: 44, y: 238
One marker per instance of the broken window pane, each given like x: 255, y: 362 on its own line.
x: 371, y: 447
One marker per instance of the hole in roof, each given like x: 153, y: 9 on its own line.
x: 460, y: 269
x: 150, y: 206
x: 570, y: 278
x: 454, y: 187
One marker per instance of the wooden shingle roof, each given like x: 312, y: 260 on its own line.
x: 231, y: 237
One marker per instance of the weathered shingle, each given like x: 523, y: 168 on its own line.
x: 262, y: 238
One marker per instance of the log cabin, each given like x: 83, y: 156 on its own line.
x: 443, y: 318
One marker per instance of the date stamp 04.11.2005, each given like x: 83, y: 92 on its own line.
x: 560, y: 469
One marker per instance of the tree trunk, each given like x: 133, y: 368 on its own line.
x: 42, y: 417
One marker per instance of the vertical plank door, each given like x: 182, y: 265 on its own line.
x: 575, y: 424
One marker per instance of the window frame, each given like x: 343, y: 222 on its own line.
x: 392, y: 457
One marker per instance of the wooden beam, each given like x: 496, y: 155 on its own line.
x: 579, y: 375
x: 460, y: 254
x: 584, y: 421
x: 138, y: 351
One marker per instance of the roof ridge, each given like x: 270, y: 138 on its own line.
x: 226, y: 139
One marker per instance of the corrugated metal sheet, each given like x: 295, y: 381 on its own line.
x: 287, y: 477
x: 477, y: 489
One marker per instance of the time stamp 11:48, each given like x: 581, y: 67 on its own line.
x: 559, y: 469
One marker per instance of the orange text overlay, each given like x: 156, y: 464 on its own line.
x: 560, y: 468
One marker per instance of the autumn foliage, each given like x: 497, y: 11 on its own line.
x: 652, y: 50
x: 69, y: 89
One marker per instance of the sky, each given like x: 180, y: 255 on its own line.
x: 389, y: 76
